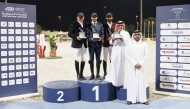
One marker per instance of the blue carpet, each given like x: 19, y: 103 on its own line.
x: 156, y: 104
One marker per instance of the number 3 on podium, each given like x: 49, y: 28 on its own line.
x: 61, y: 95
x: 96, y: 89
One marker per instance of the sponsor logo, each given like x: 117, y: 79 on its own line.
x: 184, y: 59
x: 11, y: 53
x: 3, y: 68
x: 186, y: 39
x: 4, y: 83
x: 3, y: 38
x: 18, y: 31
x: 32, y: 52
x: 4, y: 75
x: 11, y: 60
x: 3, y: 31
x: 18, y: 60
x: 31, y: 24
x: 11, y: 82
x: 25, y: 73
x: 10, y: 24
x: 168, y: 39
x: 168, y: 79
x: 25, y: 52
x: 11, y: 45
x: 31, y: 38
x: 183, y: 87
x: 18, y: 52
x: 32, y: 66
x: 24, y: 31
x: 11, y: 67
x: 18, y: 67
x: 168, y: 52
x: 3, y: 24
x: 25, y: 59
x: 17, y: 24
x: 3, y: 60
x: 9, y: 8
x: 31, y: 31
x: 184, y: 80
x: 26, y: 80
x: 11, y: 75
x: 184, y: 45
x: 11, y: 38
x: 32, y: 73
x: 18, y: 81
x: 3, y: 53
x: 25, y: 38
x: 25, y: 66
x: 18, y: 38
x: 184, y: 73
x: 18, y: 74
x: 167, y: 86
x: 11, y: 31
x: 185, y: 52
x: 18, y: 45
x: 168, y: 59
x: 25, y: 45
x: 176, y: 65
x: 32, y: 59
x: 24, y: 24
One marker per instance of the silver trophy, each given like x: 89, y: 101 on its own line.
x: 95, y: 34
x: 82, y: 34
x: 117, y: 35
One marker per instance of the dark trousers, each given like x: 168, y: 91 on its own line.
x: 97, y: 51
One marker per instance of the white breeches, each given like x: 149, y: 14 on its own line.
x: 80, y: 53
x: 106, y: 51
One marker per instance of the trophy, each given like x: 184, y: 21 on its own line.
x: 117, y: 35
x: 95, y: 34
x: 82, y: 34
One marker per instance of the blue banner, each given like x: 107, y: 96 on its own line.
x: 173, y: 49
x: 18, y: 71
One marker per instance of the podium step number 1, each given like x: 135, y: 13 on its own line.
x: 96, y: 89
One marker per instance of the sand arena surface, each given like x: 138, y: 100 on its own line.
x: 64, y: 69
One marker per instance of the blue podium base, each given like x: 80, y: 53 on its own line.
x: 61, y: 91
x: 122, y: 93
x: 96, y: 90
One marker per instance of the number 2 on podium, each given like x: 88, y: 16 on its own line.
x: 61, y: 95
x: 96, y: 89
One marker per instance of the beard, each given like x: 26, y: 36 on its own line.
x: 109, y: 20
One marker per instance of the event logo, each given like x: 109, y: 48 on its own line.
x: 177, y: 12
x: 177, y: 65
x: 11, y: 75
x: 9, y: 8
x: 18, y: 81
x: 18, y: 74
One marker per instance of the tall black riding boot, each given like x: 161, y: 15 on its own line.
x: 105, y: 69
x: 77, y: 68
x: 92, y: 70
x: 98, y: 69
x: 81, y: 77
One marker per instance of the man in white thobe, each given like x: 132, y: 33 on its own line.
x: 118, y: 58
x: 137, y: 54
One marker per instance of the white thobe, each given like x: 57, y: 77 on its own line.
x: 118, y: 60
x: 137, y: 52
